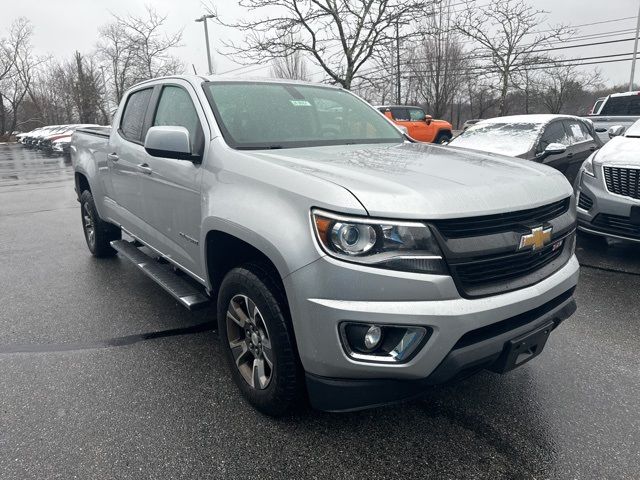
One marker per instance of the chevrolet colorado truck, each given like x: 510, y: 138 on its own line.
x: 346, y: 263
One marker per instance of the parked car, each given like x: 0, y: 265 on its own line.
x: 360, y: 267
x: 46, y: 143
x: 469, y: 123
x: 420, y: 126
x: 616, y: 109
x: 559, y: 141
x: 609, y: 187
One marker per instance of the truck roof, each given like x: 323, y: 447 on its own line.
x: 196, y: 79
x: 625, y: 94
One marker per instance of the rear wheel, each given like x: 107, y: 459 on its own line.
x: 97, y: 232
x: 443, y: 137
x: 258, y: 340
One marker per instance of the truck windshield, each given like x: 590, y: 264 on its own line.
x: 261, y: 115
x: 505, y: 138
x: 623, y: 105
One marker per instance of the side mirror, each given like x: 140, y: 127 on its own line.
x: 552, y: 149
x: 555, y: 149
x: 168, y: 142
x: 616, y: 131
x: 428, y: 119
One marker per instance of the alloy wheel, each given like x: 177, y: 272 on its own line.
x: 249, y: 342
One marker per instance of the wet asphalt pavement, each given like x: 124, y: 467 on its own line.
x: 85, y: 393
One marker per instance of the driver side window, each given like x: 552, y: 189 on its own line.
x: 176, y: 109
x: 553, y: 133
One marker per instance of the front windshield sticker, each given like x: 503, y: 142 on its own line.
x: 300, y: 103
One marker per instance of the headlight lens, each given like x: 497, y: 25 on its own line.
x: 405, y: 246
x: 587, y: 167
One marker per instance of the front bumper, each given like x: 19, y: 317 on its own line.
x: 605, y: 205
x: 467, y: 357
x: 328, y: 292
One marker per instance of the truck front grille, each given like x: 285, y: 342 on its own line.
x: 487, y: 276
x: 617, y: 225
x: 483, y: 253
x: 623, y: 181
x: 502, y: 222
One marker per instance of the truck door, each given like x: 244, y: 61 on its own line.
x: 171, y: 188
x: 124, y: 155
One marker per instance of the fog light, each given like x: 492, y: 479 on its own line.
x: 382, y: 343
x: 372, y: 338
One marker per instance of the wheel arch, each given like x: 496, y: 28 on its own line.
x: 225, y: 249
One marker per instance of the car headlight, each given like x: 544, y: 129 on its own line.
x: 587, y: 166
x: 405, y: 246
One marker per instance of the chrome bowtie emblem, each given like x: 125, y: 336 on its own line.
x: 538, y: 238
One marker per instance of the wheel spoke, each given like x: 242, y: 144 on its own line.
x: 240, y: 351
x: 260, y: 379
x: 236, y: 312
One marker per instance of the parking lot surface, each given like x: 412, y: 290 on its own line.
x: 103, y: 375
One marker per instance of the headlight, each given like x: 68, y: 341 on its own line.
x: 405, y: 246
x: 587, y: 166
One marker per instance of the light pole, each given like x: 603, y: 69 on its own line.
x: 635, y: 54
x: 203, y: 19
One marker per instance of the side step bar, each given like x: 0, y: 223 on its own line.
x: 185, y: 293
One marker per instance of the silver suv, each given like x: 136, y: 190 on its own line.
x: 346, y: 262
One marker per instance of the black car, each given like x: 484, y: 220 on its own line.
x: 560, y: 141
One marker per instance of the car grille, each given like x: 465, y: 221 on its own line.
x: 623, y: 181
x: 491, y: 272
x: 503, y: 222
x: 616, y: 224
x: 585, y: 202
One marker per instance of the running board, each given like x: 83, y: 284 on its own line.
x: 163, y: 274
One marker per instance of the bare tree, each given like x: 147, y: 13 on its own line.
x: 119, y: 54
x: 134, y: 48
x: 340, y: 36
x: 438, y: 63
x: 15, y: 67
x: 152, y: 47
x: 509, y: 35
x: 562, y: 84
x: 293, y: 66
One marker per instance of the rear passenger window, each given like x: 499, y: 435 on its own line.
x: 577, y: 131
x: 132, y: 121
x: 176, y: 109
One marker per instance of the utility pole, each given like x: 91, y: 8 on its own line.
x: 399, y: 85
x: 203, y: 19
x: 635, y: 52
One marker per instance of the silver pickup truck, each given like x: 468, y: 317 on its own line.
x: 618, y: 109
x: 345, y: 263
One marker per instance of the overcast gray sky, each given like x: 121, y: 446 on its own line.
x: 62, y: 26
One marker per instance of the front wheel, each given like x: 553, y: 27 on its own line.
x: 258, y: 340
x: 442, y: 138
x: 97, y: 232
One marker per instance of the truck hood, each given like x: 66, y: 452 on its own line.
x: 619, y: 151
x: 427, y: 181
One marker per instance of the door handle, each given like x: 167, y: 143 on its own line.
x: 145, y: 168
x: 113, y: 157
x: 569, y: 155
x: 592, y: 149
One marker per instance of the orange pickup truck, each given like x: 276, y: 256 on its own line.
x: 420, y: 126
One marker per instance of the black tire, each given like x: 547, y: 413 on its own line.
x: 442, y: 137
x: 103, y: 232
x: 286, y: 385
